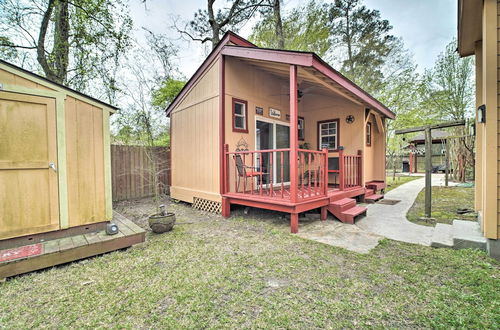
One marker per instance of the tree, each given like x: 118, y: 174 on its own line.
x: 362, y: 41
x: 163, y: 96
x: 72, y: 39
x: 210, y: 24
x: 449, y: 92
x: 304, y: 28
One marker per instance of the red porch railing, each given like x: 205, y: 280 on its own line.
x: 266, y: 173
x: 350, y: 170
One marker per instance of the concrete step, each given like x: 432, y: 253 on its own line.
x: 468, y: 235
x: 343, y: 204
x: 373, y: 198
x: 348, y: 216
x: 442, y: 237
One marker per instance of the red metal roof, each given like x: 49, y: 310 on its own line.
x: 245, y: 49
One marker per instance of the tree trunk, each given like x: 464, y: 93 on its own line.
x: 278, y: 24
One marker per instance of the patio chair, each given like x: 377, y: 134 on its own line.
x: 244, y: 173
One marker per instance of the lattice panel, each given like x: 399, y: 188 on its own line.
x: 207, y: 205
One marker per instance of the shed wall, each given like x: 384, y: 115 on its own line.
x: 195, y: 141
x: 83, y: 159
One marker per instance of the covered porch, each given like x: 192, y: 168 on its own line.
x: 296, y: 141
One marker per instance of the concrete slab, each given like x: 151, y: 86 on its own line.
x: 467, y: 235
x: 335, y: 233
x: 442, y: 236
x: 493, y: 248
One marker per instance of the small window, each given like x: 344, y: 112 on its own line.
x: 301, y: 126
x: 328, y: 134
x: 240, y: 118
x: 369, y: 134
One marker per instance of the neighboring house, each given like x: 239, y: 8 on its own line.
x: 478, y: 35
x: 278, y: 130
x: 55, y: 174
x: 416, y: 148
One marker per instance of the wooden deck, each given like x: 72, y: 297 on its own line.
x: 74, y: 247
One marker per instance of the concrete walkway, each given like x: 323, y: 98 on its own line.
x: 382, y: 221
x: 390, y: 220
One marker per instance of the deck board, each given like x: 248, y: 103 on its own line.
x: 75, y: 247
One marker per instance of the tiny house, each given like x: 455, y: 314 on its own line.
x: 55, y: 174
x: 278, y: 130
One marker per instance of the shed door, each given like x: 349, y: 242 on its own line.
x: 28, y: 183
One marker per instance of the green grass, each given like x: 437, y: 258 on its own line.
x: 251, y: 273
x: 445, y: 202
x: 394, y: 183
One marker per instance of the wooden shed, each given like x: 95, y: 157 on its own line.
x: 55, y: 174
x: 276, y: 129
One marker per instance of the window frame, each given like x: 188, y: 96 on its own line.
x: 233, y: 111
x: 368, y: 134
x: 337, y: 135
x: 303, y: 128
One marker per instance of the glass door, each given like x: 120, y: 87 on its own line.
x: 282, y: 142
x: 264, y: 133
x: 271, y: 135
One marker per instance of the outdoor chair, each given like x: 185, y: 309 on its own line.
x: 245, y: 171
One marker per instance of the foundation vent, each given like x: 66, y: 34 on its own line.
x: 207, y: 205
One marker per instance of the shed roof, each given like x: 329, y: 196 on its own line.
x: 235, y: 46
x: 56, y: 84
x: 435, y: 133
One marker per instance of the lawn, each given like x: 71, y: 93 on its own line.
x: 399, y: 180
x: 445, y: 202
x: 251, y: 273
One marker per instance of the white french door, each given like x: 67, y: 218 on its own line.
x: 273, y: 134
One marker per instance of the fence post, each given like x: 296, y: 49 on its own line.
x: 341, y: 168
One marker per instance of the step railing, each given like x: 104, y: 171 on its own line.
x: 350, y: 170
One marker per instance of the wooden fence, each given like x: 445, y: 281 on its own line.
x: 133, y: 174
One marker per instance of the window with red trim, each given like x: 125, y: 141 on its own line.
x: 240, y: 116
x: 368, y: 134
x: 328, y: 134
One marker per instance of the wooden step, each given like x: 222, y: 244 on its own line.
x: 343, y: 204
x: 369, y: 192
x: 349, y: 215
x: 373, y: 198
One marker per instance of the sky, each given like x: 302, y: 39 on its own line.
x: 426, y: 26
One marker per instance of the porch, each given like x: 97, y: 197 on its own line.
x: 268, y: 179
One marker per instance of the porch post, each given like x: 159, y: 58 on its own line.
x: 293, y: 133
x: 341, y: 168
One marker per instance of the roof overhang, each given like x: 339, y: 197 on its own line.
x: 228, y: 39
x: 307, y: 59
x: 469, y: 25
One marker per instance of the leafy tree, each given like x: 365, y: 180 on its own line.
x: 164, y: 95
x: 210, y: 24
x: 362, y: 41
x: 304, y: 28
x: 449, y: 85
x: 73, y: 40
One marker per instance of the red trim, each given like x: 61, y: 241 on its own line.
x: 228, y: 37
x: 294, y: 143
x: 331, y: 73
x: 338, y: 133
x: 368, y: 143
x: 222, y: 130
x: 237, y: 129
x: 307, y: 59
x: 304, y: 129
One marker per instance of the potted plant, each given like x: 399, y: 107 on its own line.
x: 161, y: 221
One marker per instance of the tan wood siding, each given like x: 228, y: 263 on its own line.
x: 195, y: 141
x: 11, y: 78
x: 85, y: 159
x: 28, y: 185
